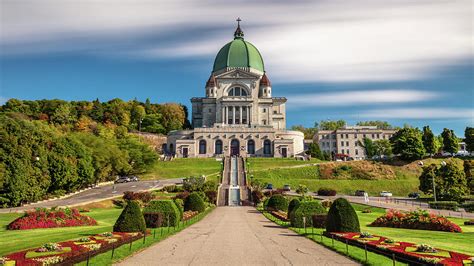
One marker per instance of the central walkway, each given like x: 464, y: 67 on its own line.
x: 236, y: 236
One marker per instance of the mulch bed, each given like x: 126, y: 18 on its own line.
x: 280, y: 215
x: 405, y: 251
x: 73, y: 251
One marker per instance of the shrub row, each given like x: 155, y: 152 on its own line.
x: 468, y: 206
x: 161, y: 213
x: 144, y: 196
x: 277, y: 202
x: 327, y: 192
x: 444, y: 205
x: 304, y: 213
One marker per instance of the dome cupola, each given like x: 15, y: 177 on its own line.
x: 265, y: 87
x: 211, y: 87
x: 239, y: 54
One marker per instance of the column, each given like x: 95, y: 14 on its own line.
x: 223, y: 116
x: 240, y: 113
x: 233, y: 115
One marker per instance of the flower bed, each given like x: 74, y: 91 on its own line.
x: 70, y: 252
x: 419, y: 219
x: 189, y: 214
x: 405, y: 251
x: 45, y: 218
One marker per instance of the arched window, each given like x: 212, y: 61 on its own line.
x: 202, y: 147
x: 267, y: 147
x: 237, y: 91
x: 251, y: 146
x: 218, y: 146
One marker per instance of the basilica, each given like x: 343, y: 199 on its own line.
x: 238, y: 115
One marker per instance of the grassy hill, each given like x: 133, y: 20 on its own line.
x: 183, y: 168
x: 345, y: 177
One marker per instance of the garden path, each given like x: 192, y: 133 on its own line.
x: 237, y: 236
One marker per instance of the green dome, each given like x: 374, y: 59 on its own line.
x: 238, y: 53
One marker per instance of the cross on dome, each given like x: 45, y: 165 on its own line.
x: 239, y: 34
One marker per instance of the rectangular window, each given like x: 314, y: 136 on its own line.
x: 357, y: 152
x: 347, y: 136
x: 373, y: 136
x: 264, y: 110
x: 342, y: 151
x: 264, y: 122
x: 356, y: 143
x: 347, y: 143
x: 342, y: 143
x: 342, y: 136
x: 348, y: 152
x: 378, y: 136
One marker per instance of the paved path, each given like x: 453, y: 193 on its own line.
x: 237, y: 236
x: 97, y: 194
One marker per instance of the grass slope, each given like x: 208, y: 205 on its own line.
x: 259, y: 164
x: 16, y: 240
x: 183, y: 168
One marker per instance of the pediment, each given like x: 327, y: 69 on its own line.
x: 237, y: 74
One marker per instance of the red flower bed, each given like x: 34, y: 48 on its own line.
x: 44, y: 218
x: 73, y: 251
x: 405, y: 251
x: 419, y: 219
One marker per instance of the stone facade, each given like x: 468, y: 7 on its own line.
x: 346, y: 141
x: 238, y: 115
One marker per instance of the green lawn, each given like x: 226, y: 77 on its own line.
x: 16, y: 240
x: 259, y: 164
x: 461, y: 242
x: 183, y: 168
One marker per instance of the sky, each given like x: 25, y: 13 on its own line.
x: 402, y: 61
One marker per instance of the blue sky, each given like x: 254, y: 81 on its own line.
x: 400, y: 61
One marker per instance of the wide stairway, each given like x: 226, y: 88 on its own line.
x: 233, y: 189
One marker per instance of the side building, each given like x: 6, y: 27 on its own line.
x: 345, y: 142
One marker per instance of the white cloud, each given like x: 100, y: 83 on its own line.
x: 364, y: 40
x: 3, y: 100
x: 419, y: 113
x: 361, y: 97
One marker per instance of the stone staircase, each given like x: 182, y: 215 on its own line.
x: 225, y: 186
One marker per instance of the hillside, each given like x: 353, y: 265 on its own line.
x: 346, y: 177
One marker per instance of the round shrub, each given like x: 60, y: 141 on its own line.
x: 306, y: 209
x: 168, y: 209
x: 277, y: 202
x: 131, y: 219
x: 327, y: 192
x: 194, y: 202
x: 342, y: 217
x: 294, y: 203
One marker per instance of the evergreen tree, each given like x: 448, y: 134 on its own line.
x: 453, y: 183
x: 469, y: 138
x: 408, y: 144
x: 429, y: 142
x: 450, y: 141
x: 315, y: 151
x: 426, y: 178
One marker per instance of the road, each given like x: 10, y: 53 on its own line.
x: 97, y: 194
x: 236, y: 236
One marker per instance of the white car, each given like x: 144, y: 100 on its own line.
x: 385, y: 194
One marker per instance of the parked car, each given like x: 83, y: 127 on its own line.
x: 360, y: 193
x: 385, y: 194
x: 414, y: 195
x: 134, y: 178
x: 269, y: 186
x: 122, y: 179
x: 286, y: 188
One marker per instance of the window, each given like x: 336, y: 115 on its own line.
x: 264, y: 110
x: 373, y: 136
x: 210, y: 110
x: 275, y: 112
x: 355, y: 135
x: 264, y: 122
x: 342, y: 136
x: 202, y: 147
x: 342, y: 151
x: 357, y: 152
x: 251, y: 146
x: 230, y: 114
x: 347, y: 136
x: 342, y: 143
x: 356, y: 143
x: 378, y: 136
x: 347, y: 143
x: 267, y: 147
x: 218, y: 147
x: 348, y: 152
x: 237, y: 91
x: 334, y: 144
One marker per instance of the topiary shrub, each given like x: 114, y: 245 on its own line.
x: 277, y: 203
x: 167, y: 208
x: 306, y: 209
x: 294, y: 203
x: 194, y: 202
x: 342, y: 217
x: 131, y: 219
x: 180, y: 204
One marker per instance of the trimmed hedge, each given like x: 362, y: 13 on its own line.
x: 167, y: 208
x: 319, y: 220
x: 306, y: 209
x: 342, y: 217
x: 468, y: 206
x: 131, y: 219
x: 327, y: 192
x: 194, y: 202
x: 444, y: 205
x: 277, y: 203
x: 294, y: 203
x: 153, y: 220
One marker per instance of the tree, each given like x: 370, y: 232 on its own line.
x: 379, y: 124
x: 137, y: 114
x: 469, y: 138
x: 152, y: 123
x: 173, y: 116
x: 308, y: 132
x: 302, y: 190
x: 331, y: 125
x: 469, y: 172
x: 453, y: 183
x: 315, y: 151
x: 368, y: 146
x: 426, y: 178
x: 382, y: 147
x: 450, y: 141
x: 429, y: 141
x: 407, y: 144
